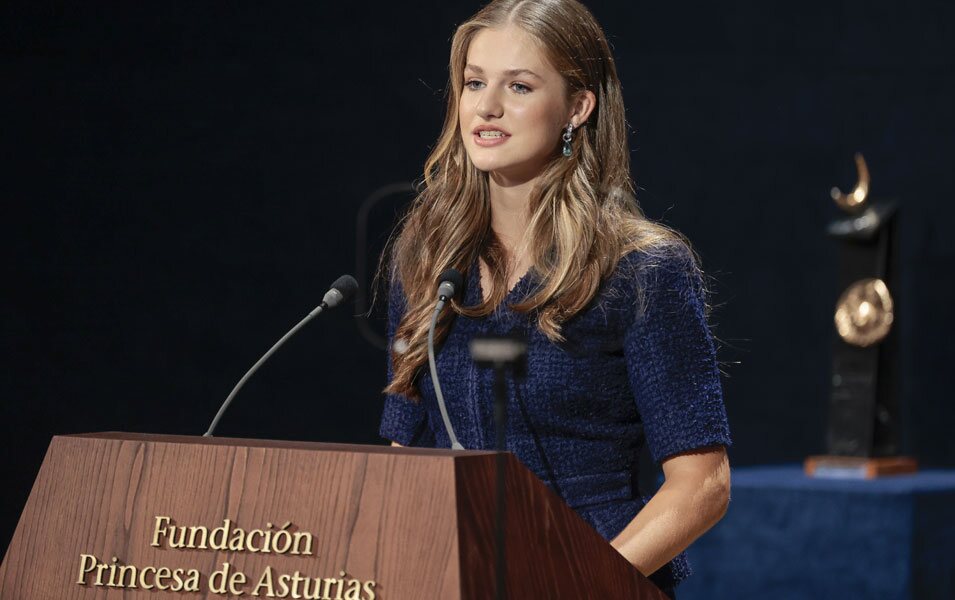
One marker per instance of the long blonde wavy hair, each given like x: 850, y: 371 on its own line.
x: 582, y: 212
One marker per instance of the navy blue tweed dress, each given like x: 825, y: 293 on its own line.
x: 638, y: 367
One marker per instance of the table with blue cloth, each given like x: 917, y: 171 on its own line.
x: 791, y: 536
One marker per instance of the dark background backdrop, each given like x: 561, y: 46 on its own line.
x: 180, y: 182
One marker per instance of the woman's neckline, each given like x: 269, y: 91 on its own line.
x: 479, y: 284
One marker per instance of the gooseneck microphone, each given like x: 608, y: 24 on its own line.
x: 341, y: 291
x: 449, y: 283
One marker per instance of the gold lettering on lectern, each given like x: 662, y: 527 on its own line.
x: 228, y: 580
x: 118, y: 575
x: 295, y: 585
x: 229, y: 536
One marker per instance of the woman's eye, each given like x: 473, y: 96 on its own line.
x: 520, y: 88
x: 473, y: 84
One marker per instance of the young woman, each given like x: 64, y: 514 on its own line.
x: 528, y: 193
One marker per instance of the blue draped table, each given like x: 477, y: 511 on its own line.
x: 790, y: 536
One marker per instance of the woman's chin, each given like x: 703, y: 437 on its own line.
x: 488, y: 164
x: 506, y: 171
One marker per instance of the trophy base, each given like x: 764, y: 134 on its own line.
x: 858, y: 467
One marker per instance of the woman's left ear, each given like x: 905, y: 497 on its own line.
x: 583, y: 104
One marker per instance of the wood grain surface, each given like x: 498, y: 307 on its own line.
x: 388, y: 515
x: 551, y: 551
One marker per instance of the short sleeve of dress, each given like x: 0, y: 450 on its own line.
x: 402, y: 420
x: 671, y: 357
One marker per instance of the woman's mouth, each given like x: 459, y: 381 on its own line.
x: 490, y: 137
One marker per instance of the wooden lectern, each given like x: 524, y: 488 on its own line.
x: 118, y: 515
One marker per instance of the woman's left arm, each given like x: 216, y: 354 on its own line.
x: 693, y: 497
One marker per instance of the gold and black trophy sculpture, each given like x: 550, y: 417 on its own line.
x: 864, y: 425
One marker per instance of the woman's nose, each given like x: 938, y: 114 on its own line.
x: 489, y: 105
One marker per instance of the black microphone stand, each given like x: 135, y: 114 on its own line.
x: 342, y: 290
x: 503, y: 354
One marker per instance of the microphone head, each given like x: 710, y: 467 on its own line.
x: 450, y: 283
x: 342, y: 290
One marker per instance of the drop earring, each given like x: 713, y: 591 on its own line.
x: 567, y: 137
